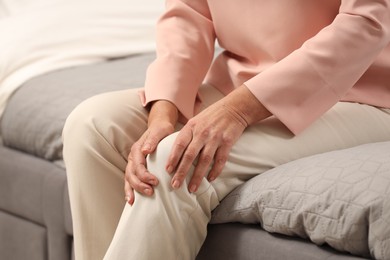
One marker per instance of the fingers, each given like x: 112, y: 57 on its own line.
x: 185, y: 164
x: 140, y: 179
x: 182, y: 155
x: 129, y: 193
x: 203, y: 164
x: 210, y: 155
x: 205, y: 149
x: 220, y: 160
x: 179, y: 147
x: 137, y: 177
x: 188, y: 148
x: 132, y: 182
x: 137, y: 166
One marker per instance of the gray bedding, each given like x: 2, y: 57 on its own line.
x: 35, y: 115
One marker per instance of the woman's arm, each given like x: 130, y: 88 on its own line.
x: 185, y: 49
x: 309, y: 81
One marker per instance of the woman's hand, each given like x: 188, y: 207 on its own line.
x: 209, y: 137
x: 161, y: 123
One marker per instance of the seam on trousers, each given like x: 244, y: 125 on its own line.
x: 178, y: 257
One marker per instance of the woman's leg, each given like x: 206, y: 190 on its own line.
x: 169, y: 225
x: 269, y: 143
x: 97, y: 139
x: 172, y: 224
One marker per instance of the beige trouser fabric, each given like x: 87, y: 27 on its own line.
x: 172, y: 224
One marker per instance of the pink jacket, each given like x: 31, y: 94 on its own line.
x: 298, y: 57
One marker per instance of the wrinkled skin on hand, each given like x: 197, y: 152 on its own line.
x: 203, y: 140
x: 207, y: 141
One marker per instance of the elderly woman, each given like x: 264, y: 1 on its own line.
x: 295, y: 78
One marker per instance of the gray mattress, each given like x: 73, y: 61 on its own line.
x: 32, y: 158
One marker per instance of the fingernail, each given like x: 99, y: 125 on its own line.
x: 127, y: 198
x: 148, y: 191
x: 169, y: 169
x: 176, y: 184
x: 193, y: 188
x: 211, y: 179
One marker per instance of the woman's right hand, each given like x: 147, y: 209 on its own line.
x: 161, y: 123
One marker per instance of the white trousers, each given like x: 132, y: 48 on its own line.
x: 172, y: 224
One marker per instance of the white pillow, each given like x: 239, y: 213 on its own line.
x: 341, y: 198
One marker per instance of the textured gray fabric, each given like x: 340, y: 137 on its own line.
x: 34, y: 189
x: 341, y: 198
x: 21, y: 239
x: 35, y: 115
x: 235, y: 241
x: 29, y: 186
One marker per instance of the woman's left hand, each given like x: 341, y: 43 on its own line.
x: 208, y: 138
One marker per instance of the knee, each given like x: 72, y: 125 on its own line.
x: 117, y: 119
x: 205, y: 198
x: 80, y: 122
x: 156, y: 162
x: 90, y: 126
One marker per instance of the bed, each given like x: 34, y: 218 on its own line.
x: 328, y: 206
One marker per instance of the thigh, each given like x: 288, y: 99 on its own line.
x: 97, y: 137
x: 269, y: 143
x: 118, y: 117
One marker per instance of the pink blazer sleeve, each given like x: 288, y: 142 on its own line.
x: 309, y: 81
x: 185, y: 49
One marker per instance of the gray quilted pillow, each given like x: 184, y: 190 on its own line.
x: 341, y: 198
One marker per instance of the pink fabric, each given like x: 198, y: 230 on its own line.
x: 298, y: 57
